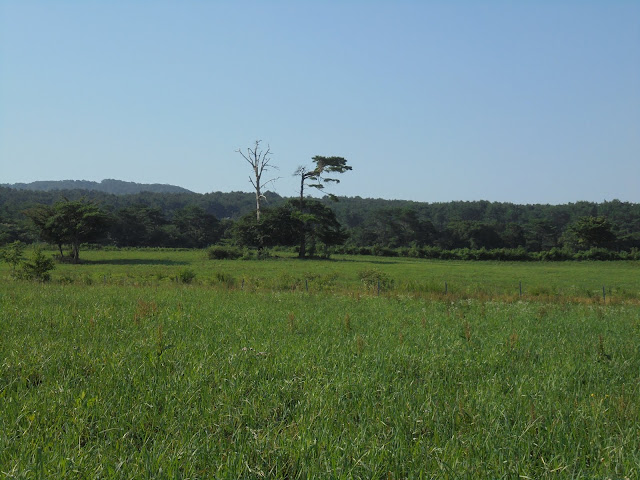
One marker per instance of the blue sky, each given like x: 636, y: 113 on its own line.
x: 526, y: 102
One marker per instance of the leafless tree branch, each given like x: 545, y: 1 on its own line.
x: 260, y: 161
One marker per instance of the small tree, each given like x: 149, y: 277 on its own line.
x: 316, y: 178
x: 38, y: 266
x: 12, y: 254
x: 260, y: 162
x: 70, y: 223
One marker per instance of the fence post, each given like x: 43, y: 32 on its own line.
x: 378, y: 287
x: 242, y: 288
x: 445, y: 288
x: 306, y: 284
x: 604, y: 294
x: 520, y: 288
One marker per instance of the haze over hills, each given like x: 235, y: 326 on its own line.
x: 115, y: 187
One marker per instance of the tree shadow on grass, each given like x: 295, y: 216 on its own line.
x: 381, y: 262
x: 360, y: 259
x: 363, y: 259
x: 134, y: 261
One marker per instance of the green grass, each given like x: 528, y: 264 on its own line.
x: 140, y: 376
x: 569, y: 281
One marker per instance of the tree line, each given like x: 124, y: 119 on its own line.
x: 187, y: 221
x: 262, y: 220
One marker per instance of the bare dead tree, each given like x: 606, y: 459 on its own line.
x: 260, y: 161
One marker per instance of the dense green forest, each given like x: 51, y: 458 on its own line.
x: 369, y: 226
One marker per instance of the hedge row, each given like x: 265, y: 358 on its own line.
x: 501, y: 254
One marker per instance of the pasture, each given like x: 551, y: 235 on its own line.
x: 554, y: 281
x: 128, y: 367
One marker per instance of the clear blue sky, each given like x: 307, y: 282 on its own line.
x: 526, y: 102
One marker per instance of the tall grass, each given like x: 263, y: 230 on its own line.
x: 185, y: 381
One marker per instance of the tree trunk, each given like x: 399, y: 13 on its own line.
x: 258, y: 194
x: 75, y: 252
x: 303, y: 247
x: 302, y: 251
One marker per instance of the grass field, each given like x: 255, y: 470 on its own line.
x: 116, y: 369
x: 567, y: 281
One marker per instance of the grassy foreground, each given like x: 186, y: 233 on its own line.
x: 157, y: 379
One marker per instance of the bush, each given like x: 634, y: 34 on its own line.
x: 430, y: 252
x: 519, y: 254
x: 249, y: 255
x: 224, y: 253
x: 37, y: 267
x: 226, y: 279
x: 381, y: 251
x: 374, y: 278
x: 185, y: 276
x: 286, y: 281
x: 597, y: 254
x: 516, y: 254
x: 555, y: 255
x: 12, y: 254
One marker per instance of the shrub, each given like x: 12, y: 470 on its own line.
x: 286, y: 281
x: 224, y: 253
x: 515, y: 254
x: 373, y: 278
x: 555, y: 255
x: 249, y: 255
x: 263, y: 254
x: 597, y: 254
x: 381, y: 251
x: 327, y: 280
x: 431, y: 252
x: 12, y: 254
x: 185, y: 276
x: 66, y: 279
x: 226, y: 279
x: 37, y: 267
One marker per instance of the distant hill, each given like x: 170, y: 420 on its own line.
x: 115, y: 187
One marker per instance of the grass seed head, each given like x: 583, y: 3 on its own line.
x: 513, y: 340
x: 291, y: 321
x: 347, y: 322
x: 467, y: 331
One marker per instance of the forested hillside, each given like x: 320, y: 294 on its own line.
x: 117, y: 187
x: 197, y: 220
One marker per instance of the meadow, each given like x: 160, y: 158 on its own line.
x: 343, y: 274
x: 163, y: 364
